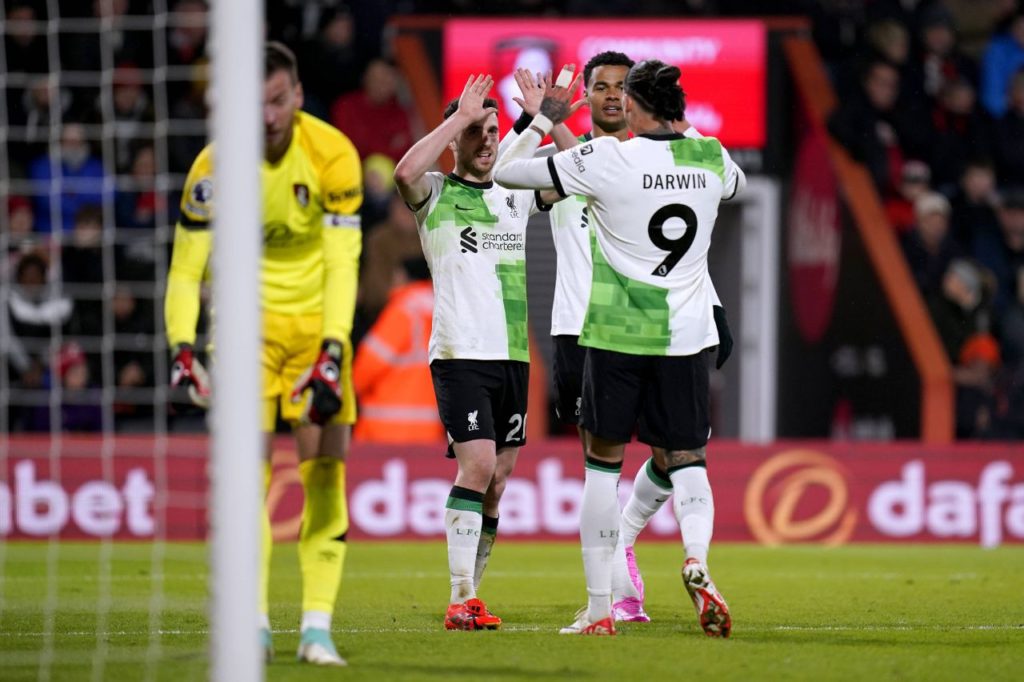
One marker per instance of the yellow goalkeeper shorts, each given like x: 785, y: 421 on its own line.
x: 291, y: 344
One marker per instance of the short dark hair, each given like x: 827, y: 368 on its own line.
x: 278, y: 57
x: 453, y: 106
x: 607, y: 58
x: 655, y: 87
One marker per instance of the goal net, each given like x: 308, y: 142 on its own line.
x: 104, y: 475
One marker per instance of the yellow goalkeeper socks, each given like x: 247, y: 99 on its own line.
x: 266, y: 545
x: 322, y: 538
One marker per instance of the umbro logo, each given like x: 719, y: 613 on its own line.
x: 468, y: 240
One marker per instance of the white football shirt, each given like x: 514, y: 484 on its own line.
x: 653, y: 201
x: 474, y: 239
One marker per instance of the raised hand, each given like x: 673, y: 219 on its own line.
x: 471, y: 102
x: 557, y: 104
x: 532, y: 87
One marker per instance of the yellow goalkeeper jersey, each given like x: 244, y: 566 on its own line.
x: 311, y: 233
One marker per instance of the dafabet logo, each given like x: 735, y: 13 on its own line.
x: 799, y: 496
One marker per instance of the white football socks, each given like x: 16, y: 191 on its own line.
x: 463, y: 518
x: 600, y: 521
x: 650, y: 490
x: 695, y: 509
x: 488, y: 534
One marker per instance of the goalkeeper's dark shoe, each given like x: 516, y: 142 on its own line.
x: 712, y: 611
x: 317, y: 648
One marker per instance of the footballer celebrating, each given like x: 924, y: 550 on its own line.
x: 604, y: 78
x: 312, y: 191
x: 474, y: 238
x: 654, y: 201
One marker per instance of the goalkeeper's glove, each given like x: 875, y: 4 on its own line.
x: 322, y: 384
x: 724, y: 336
x: 187, y: 371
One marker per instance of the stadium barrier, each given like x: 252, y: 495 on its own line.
x: 828, y: 493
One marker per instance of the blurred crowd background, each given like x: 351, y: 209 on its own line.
x: 104, y: 110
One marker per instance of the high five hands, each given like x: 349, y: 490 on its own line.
x: 557, y: 104
x: 471, y: 102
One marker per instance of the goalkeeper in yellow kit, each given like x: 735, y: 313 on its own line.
x: 312, y: 190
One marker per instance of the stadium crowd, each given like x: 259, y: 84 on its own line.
x: 932, y: 97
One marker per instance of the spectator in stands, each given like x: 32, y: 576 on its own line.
x: 137, y: 203
x: 188, y: 105
x: 1003, y: 57
x: 391, y: 373
x: 139, y: 206
x: 915, y: 180
x: 132, y: 112
x: 975, y: 375
x: 81, y: 180
x: 80, y: 401
x: 1009, y: 134
x: 962, y: 318
x: 82, y: 264
x: 35, y: 308
x: 1003, y: 254
x: 87, y: 50
x: 186, y: 39
x: 961, y: 130
x: 329, y: 64
x: 373, y: 117
x: 929, y: 247
x: 957, y: 306
x: 133, y: 357
x: 186, y: 46
x: 940, y: 61
x: 24, y: 43
x: 82, y: 256
x: 866, y: 125
x: 975, y: 203
x: 39, y: 105
x: 20, y: 227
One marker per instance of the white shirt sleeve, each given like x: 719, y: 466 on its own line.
x: 579, y: 170
x: 735, y: 178
x: 436, y: 181
x: 516, y: 167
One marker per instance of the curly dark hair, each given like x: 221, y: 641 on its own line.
x: 607, y: 58
x: 654, y: 85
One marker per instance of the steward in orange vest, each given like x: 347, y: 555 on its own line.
x: 391, y: 373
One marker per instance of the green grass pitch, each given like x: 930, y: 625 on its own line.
x: 800, y: 613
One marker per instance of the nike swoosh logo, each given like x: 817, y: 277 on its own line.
x: 462, y: 208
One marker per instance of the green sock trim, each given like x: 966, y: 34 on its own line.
x: 603, y: 467
x: 656, y: 478
x: 489, y: 525
x: 465, y: 505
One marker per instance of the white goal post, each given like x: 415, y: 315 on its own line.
x: 237, y: 446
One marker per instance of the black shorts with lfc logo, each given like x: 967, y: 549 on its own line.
x: 482, y: 399
x: 568, y: 372
x: 664, y: 397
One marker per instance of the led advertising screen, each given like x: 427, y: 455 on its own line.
x: 722, y: 64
